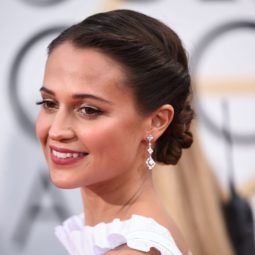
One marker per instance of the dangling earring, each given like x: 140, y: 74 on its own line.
x: 150, y: 163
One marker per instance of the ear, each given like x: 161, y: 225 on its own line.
x: 160, y: 120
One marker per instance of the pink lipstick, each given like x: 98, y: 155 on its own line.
x: 62, y: 156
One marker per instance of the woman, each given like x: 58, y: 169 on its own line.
x: 115, y: 99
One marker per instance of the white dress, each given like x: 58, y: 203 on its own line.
x: 138, y: 232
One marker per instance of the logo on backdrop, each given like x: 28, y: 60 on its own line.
x: 201, y: 48
x: 33, y: 208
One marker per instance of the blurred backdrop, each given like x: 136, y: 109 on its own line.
x: 220, y: 39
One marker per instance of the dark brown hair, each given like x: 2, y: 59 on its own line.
x: 155, y: 63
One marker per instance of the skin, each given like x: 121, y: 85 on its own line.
x: 88, y: 108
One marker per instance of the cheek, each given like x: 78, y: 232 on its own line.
x: 112, y: 138
x: 96, y: 135
x: 41, y: 128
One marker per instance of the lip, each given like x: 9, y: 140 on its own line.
x: 65, y: 161
x: 55, y: 148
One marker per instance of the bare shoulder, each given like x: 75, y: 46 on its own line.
x: 160, y: 215
x: 125, y: 250
x: 175, y: 232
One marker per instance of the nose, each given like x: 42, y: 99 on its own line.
x: 61, y: 128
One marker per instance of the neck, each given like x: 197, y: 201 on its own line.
x: 114, y: 199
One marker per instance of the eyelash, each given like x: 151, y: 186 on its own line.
x: 47, y: 104
x: 90, y: 111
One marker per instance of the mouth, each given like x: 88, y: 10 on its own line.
x: 62, y: 156
x: 67, y: 155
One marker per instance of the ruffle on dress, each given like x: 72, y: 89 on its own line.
x: 138, y: 232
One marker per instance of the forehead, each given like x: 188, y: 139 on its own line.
x: 89, y: 63
x: 71, y: 70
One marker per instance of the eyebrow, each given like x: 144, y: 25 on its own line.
x: 77, y: 96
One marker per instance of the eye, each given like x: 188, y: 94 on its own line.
x: 48, y: 104
x: 89, y: 111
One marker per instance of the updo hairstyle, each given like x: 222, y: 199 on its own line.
x: 155, y: 63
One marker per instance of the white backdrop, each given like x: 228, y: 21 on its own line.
x: 29, y: 206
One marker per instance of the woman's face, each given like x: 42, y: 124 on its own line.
x: 89, y: 126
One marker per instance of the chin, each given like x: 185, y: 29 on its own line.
x: 62, y: 185
x: 63, y: 182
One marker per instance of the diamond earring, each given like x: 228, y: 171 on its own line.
x: 150, y: 163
